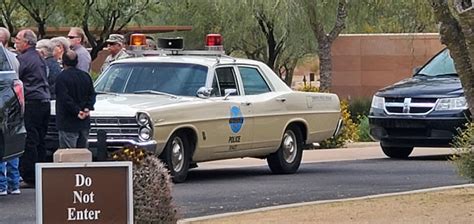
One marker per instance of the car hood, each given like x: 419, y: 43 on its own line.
x: 128, y: 104
x: 424, y: 87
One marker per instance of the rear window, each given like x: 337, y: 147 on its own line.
x: 173, y: 78
x: 4, y: 64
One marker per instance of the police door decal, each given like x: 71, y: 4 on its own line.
x: 236, y: 121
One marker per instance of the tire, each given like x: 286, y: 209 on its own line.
x: 287, y: 159
x: 176, y: 157
x: 397, y: 152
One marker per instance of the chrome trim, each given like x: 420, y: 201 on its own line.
x: 407, y: 105
x: 338, y: 128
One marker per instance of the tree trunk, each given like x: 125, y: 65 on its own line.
x: 41, y: 29
x: 325, y: 65
x: 458, y: 40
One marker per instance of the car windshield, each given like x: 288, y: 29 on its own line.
x: 152, y: 78
x: 440, y: 65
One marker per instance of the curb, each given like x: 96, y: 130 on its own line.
x: 223, y: 215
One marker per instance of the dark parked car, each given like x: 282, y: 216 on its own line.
x: 12, y: 128
x: 425, y: 110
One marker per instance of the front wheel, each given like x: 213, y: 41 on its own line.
x: 177, y: 157
x: 288, y: 157
x: 397, y: 152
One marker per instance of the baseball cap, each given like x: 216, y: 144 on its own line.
x: 115, y: 38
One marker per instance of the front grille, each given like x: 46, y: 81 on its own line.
x: 415, y: 106
x: 115, y: 127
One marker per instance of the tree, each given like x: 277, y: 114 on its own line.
x: 268, y: 31
x: 40, y: 11
x: 106, y: 17
x: 457, y: 34
x: 316, y: 16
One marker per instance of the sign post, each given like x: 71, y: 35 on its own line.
x: 99, y: 192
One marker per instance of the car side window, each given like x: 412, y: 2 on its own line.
x: 224, y: 79
x: 253, y: 81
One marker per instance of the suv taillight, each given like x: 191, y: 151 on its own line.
x: 18, y: 88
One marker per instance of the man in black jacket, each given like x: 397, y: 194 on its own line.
x: 75, y: 98
x: 33, y: 73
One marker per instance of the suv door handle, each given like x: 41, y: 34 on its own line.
x: 281, y: 99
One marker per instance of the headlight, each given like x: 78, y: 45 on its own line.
x: 377, y: 102
x: 143, y: 119
x: 145, y: 133
x: 458, y: 103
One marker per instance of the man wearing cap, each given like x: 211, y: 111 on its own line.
x: 115, y: 45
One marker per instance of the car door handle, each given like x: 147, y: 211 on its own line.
x: 281, y: 99
x: 246, y: 103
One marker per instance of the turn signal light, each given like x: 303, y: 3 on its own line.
x: 138, y: 39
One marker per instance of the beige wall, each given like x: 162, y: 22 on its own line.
x: 362, y: 64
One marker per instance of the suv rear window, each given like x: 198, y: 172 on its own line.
x: 4, y: 64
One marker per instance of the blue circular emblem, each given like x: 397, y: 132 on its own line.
x: 236, y: 119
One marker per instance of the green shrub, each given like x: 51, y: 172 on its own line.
x: 349, y: 130
x: 152, y: 200
x: 348, y: 133
x: 363, y: 129
x: 94, y: 75
x: 464, y: 154
x: 359, y: 107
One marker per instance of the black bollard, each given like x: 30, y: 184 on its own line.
x: 101, y: 145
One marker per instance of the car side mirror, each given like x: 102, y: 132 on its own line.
x: 229, y: 92
x: 204, y: 92
x: 416, y: 69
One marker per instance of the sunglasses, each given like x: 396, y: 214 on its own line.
x: 72, y: 37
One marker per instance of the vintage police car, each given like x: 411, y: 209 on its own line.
x: 191, y: 107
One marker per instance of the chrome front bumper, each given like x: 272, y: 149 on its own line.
x: 147, y: 145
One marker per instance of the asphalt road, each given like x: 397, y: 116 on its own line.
x: 218, y: 189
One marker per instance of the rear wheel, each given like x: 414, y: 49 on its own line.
x: 397, y: 152
x: 288, y: 157
x: 177, y: 156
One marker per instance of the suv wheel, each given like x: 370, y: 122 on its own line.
x: 177, y: 157
x: 288, y: 157
x: 397, y: 152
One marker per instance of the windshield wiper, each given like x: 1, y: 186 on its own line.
x: 447, y: 74
x: 107, y: 93
x: 155, y: 92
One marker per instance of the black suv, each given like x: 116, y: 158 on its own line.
x: 425, y: 110
x: 12, y: 128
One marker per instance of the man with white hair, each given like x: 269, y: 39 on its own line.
x: 4, y: 38
x: 9, y: 173
x: 61, y: 45
x: 46, y: 49
x: 33, y: 74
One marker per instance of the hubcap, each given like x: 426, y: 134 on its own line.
x: 177, y: 154
x: 289, y: 147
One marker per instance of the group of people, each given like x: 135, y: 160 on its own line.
x: 52, y: 69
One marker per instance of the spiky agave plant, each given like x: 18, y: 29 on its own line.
x: 152, y: 200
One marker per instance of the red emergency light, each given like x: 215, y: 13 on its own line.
x: 213, y: 40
